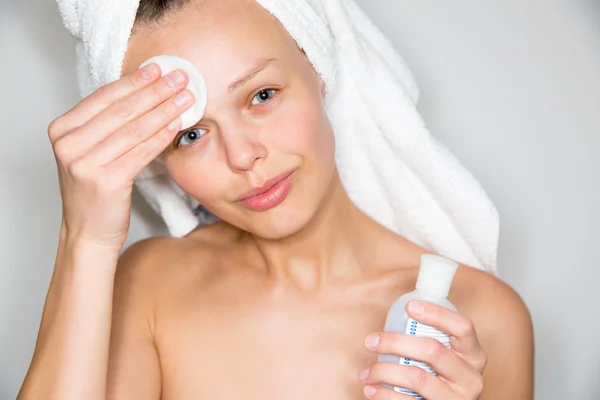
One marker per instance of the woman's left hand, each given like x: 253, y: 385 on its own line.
x: 460, y: 368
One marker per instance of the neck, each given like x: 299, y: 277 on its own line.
x: 333, y: 246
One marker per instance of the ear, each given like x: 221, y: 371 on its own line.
x: 322, y: 87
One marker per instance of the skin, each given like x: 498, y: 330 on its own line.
x: 285, y: 296
x: 285, y: 303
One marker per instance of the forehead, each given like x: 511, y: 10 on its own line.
x: 219, y: 37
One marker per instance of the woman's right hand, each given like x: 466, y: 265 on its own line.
x: 103, y: 142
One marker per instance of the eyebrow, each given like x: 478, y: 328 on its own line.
x: 251, y: 73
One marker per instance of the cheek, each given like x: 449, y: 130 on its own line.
x: 305, y: 131
x: 194, y: 176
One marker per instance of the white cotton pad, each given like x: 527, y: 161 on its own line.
x: 196, y: 85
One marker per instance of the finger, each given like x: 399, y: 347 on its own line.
x: 139, y: 130
x: 464, y: 338
x: 407, y: 377
x: 102, y: 98
x: 125, y: 110
x: 376, y: 392
x: 136, y: 159
x: 429, y: 351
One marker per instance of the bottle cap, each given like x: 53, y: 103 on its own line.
x: 435, y: 275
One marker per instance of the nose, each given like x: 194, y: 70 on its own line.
x: 242, y: 148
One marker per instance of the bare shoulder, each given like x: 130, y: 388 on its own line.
x: 492, y: 305
x: 166, y: 255
x: 163, y: 265
x: 150, y: 261
x: 151, y: 276
x: 504, y: 328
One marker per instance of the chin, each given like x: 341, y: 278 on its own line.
x: 280, y: 222
x: 284, y: 220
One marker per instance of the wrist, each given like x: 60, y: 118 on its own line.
x: 77, y: 240
x: 80, y: 253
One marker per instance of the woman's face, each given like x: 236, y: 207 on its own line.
x: 271, y: 125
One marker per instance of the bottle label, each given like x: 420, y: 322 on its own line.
x: 414, y: 328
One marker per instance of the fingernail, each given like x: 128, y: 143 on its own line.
x: 363, y: 374
x: 182, y: 99
x: 148, y: 71
x: 372, y: 340
x: 175, y: 79
x: 370, y: 390
x: 417, y: 307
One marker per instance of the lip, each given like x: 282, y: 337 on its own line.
x: 273, y: 192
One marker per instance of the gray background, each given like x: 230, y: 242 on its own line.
x: 511, y: 86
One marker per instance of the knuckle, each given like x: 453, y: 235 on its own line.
x: 417, y: 378
x: 484, y: 359
x: 159, y: 90
x: 392, y: 340
x: 62, y: 150
x: 465, y: 328
x: 434, y: 350
x: 134, y: 80
x: 428, y: 309
x: 122, y: 108
x: 134, y: 130
x: 93, y: 178
x: 481, y: 362
x: 161, y: 98
x: 102, y: 95
x: 79, y: 169
x: 55, y: 128
x: 479, y: 385
x: 377, y: 370
x: 476, y: 386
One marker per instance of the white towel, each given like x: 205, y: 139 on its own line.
x: 390, y: 165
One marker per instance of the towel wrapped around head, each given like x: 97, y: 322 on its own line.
x: 391, y: 166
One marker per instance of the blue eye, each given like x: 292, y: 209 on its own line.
x: 191, y: 136
x: 263, y: 96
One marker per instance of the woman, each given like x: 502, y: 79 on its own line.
x: 285, y: 297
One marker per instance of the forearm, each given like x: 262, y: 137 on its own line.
x: 71, y: 355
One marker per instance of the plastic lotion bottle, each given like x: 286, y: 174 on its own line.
x: 433, y: 285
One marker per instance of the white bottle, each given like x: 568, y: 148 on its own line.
x: 433, y: 284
